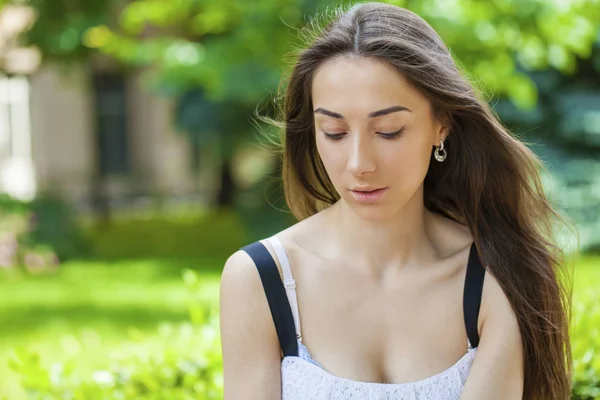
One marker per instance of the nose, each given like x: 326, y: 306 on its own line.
x: 361, y: 159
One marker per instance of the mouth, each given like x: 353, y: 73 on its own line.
x: 366, y: 190
x: 368, y: 195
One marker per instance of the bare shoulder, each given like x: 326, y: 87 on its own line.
x: 498, y: 321
x: 494, y: 303
x: 242, y: 297
x: 249, y: 343
x: 497, y: 371
x: 240, y: 273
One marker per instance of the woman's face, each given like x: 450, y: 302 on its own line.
x: 373, y: 131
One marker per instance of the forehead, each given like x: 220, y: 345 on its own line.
x: 348, y: 84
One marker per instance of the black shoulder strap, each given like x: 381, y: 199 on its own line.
x: 472, y: 295
x: 276, y: 297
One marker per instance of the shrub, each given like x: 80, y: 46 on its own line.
x: 585, y: 340
x: 35, y: 234
x: 191, y: 234
x: 54, y: 224
x: 178, y: 362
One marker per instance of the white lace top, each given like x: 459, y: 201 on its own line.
x: 303, y: 378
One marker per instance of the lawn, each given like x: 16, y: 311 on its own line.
x: 97, y: 309
x: 100, y: 304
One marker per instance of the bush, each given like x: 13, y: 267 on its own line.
x: 183, y: 362
x: 36, y: 234
x: 54, y: 224
x: 586, y: 384
x: 192, y: 234
x: 586, y: 343
x: 179, y: 362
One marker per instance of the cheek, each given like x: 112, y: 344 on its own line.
x: 411, y: 155
x: 408, y: 162
x: 334, y: 160
x: 328, y: 153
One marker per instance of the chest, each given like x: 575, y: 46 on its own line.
x: 395, y: 328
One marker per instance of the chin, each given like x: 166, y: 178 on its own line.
x: 376, y: 212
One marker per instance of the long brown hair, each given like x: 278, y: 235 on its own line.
x: 489, y: 182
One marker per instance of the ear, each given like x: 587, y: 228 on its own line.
x: 443, y: 128
x: 443, y: 133
x: 440, y: 134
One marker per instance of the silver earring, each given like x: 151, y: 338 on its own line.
x: 440, y: 157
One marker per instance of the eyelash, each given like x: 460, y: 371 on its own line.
x: 389, y: 136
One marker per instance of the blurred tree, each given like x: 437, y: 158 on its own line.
x: 233, y: 48
x: 60, y: 26
x: 564, y: 130
x: 222, y: 58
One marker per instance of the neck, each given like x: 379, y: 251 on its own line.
x: 377, y: 245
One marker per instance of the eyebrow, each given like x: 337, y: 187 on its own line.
x: 374, y: 114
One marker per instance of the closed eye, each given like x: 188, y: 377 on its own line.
x: 334, y: 136
x: 386, y: 135
x: 391, y: 135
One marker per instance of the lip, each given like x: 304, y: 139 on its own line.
x: 367, y: 195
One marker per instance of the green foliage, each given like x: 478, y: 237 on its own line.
x: 232, y: 49
x: 85, y: 310
x: 183, y: 363
x: 586, y: 330
x: 61, y: 25
x: 53, y: 223
x: 180, y: 362
x: 162, y: 235
x: 586, y: 385
x: 10, y: 205
x: 37, y: 233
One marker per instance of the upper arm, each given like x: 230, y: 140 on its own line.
x: 497, y: 371
x: 249, y: 343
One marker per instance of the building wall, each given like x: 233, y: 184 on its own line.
x: 64, y: 149
x: 62, y: 130
x: 161, y: 155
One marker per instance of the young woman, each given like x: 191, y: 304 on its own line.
x: 423, y: 264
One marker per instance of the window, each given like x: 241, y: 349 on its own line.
x: 111, y: 123
x: 17, y: 175
x: 15, y: 131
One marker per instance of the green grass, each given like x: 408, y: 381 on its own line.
x: 92, y: 308
x: 97, y: 303
x: 585, y: 332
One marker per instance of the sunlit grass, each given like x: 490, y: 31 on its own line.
x: 97, y: 309
x: 585, y: 332
x: 98, y: 304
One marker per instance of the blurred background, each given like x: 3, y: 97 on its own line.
x: 131, y: 167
